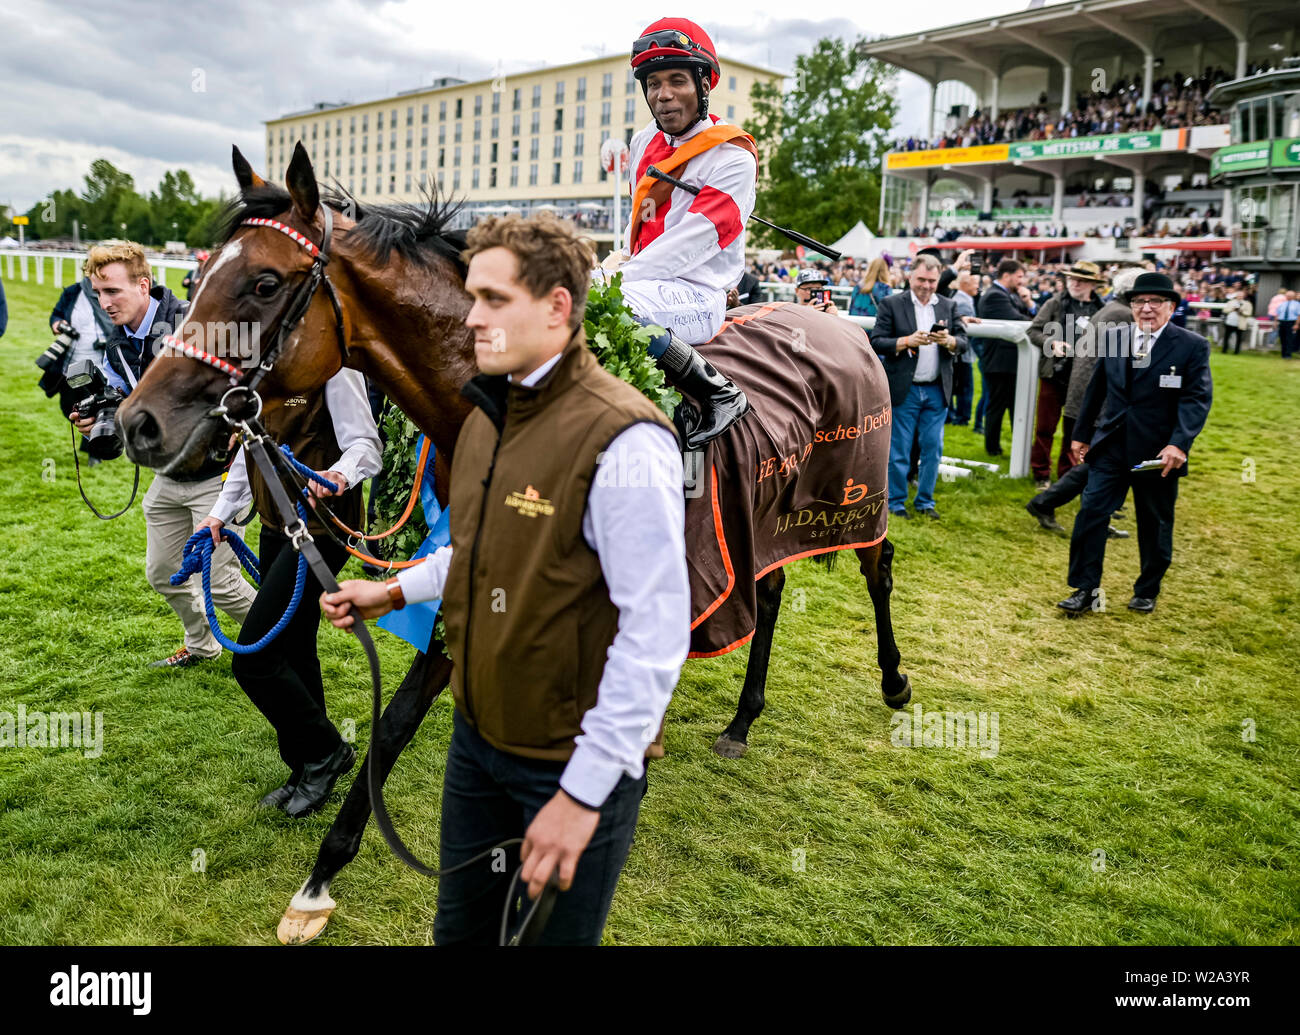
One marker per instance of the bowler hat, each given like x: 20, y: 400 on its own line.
x: 1153, y: 284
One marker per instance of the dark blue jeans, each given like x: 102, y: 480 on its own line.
x: 963, y: 393
x: 488, y: 796
x: 921, y: 416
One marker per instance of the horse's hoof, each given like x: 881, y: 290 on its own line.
x: 728, y: 748
x: 902, y: 697
x: 299, y: 926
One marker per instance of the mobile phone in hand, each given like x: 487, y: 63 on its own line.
x: 825, y: 296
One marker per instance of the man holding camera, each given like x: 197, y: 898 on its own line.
x: 813, y: 288
x: 917, y: 334
x: 141, y: 315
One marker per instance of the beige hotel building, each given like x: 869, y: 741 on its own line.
x: 518, y: 142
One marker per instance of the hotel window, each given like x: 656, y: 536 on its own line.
x: 442, y: 157
x: 365, y: 144
x: 473, y: 180
x: 442, y: 182
x: 478, y: 104
x: 455, y: 180
x: 455, y: 156
x: 410, y: 137
x: 514, y: 125
x: 460, y: 101
x: 363, y: 186
x: 478, y: 129
x: 410, y: 121
x: 557, y: 147
x: 442, y: 111
x: 629, y: 110
x: 442, y: 134
x: 327, y: 131
x: 607, y: 84
x: 631, y: 82
x: 580, y: 117
x: 577, y: 171
x: 477, y: 154
x: 537, y: 96
x: 514, y: 176
x: 352, y: 127
x: 534, y: 148
x: 424, y: 115
x: 496, y: 102
x: 532, y: 175
x: 731, y: 83
x: 408, y: 184
x: 577, y: 144
x: 604, y: 113
x: 313, y: 132
x: 379, y: 120
x: 494, y: 154
x: 424, y: 136
x: 492, y: 178
x: 514, y: 105
x: 392, y: 162
x: 555, y: 173
x: 456, y: 134
x: 559, y: 119
x: 514, y: 150
x: 535, y: 126
x: 365, y: 123
x: 581, y: 92
x: 559, y: 92
x: 392, y: 140
x: 424, y: 161
x: 392, y: 122
x: 496, y: 128
x: 731, y: 111
x: 379, y: 141
x: 409, y: 156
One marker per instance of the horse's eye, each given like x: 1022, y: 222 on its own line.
x: 266, y: 287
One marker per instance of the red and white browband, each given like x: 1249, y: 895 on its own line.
x: 176, y: 345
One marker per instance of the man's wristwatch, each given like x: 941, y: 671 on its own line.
x: 395, y: 594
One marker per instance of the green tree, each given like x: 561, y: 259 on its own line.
x: 823, y: 141
x: 107, y: 198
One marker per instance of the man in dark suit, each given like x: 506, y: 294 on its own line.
x: 1002, y: 301
x: 1153, y: 381
x: 917, y: 334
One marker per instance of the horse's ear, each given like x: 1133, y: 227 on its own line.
x: 301, y: 181
x: 244, y: 172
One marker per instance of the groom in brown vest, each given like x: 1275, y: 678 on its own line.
x: 564, y: 592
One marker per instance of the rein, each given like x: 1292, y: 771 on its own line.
x: 276, y: 469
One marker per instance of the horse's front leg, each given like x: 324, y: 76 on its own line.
x: 734, y: 740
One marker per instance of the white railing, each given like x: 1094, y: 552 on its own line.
x: 14, y: 260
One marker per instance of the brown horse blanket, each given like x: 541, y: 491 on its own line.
x: 804, y: 473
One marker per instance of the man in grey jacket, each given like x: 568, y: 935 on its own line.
x: 1114, y: 313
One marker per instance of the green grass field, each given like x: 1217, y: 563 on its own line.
x: 1169, y: 742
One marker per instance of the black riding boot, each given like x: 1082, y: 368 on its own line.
x: 719, y: 402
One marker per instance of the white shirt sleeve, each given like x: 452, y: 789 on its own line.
x: 236, y: 493
x: 425, y: 581
x: 354, y: 427
x: 635, y: 521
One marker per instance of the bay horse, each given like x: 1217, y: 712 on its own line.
x: 398, y: 277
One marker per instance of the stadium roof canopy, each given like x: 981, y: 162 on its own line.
x: 1075, y: 32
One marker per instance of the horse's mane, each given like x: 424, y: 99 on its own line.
x: 416, y: 231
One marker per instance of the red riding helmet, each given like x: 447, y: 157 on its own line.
x: 675, y: 43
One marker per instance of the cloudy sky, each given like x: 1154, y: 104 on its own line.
x: 154, y: 86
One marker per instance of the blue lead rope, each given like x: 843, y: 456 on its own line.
x: 197, y: 556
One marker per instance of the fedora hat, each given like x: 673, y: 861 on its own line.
x: 1153, y: 284
x: 1085, y: 271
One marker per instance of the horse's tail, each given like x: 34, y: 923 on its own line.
x: 826, y: 559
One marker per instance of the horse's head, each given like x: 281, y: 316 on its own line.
x: 249, y: 286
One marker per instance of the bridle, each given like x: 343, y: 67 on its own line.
x: 277, y: 470
x: 246, y: 384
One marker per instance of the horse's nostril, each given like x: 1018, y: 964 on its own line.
x: 143, y: 432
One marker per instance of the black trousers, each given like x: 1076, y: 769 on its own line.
x: 1232, y: 336
x: 283, y: 679
x: 1065, y: 488
x: 489, y: 796
x: 1002, y: 394
x: 1153, y: 501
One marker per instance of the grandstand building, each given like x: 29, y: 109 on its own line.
x: 513, y: 143
x: 1095, y: 128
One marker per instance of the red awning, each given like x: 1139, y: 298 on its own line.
x: 1218, y: 244
x: 1014, y: 244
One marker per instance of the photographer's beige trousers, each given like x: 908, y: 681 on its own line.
x: 172, y: 510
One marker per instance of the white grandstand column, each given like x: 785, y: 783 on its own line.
x: 1058, y: 199
x: 1067, y: 87
x: 1139, y: 193
x: 934, y: 89
x: 1148, y: 71
x: 1241, y: 58
x: 988, y: 194
x: 993, y: 94
x: 925, y: 203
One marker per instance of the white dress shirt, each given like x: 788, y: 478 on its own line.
x: 635, y: 521
x: 354, y: 428
x: 927, y: 356
x: 1144, y: 341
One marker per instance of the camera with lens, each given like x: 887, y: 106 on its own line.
x: 99, y: 400
x: 52, y: 358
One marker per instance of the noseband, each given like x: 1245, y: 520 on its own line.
x: 246, y: 384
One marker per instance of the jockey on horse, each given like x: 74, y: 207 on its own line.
x: 687, y: 250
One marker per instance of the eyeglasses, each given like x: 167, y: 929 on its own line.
x: 1148, y: 303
